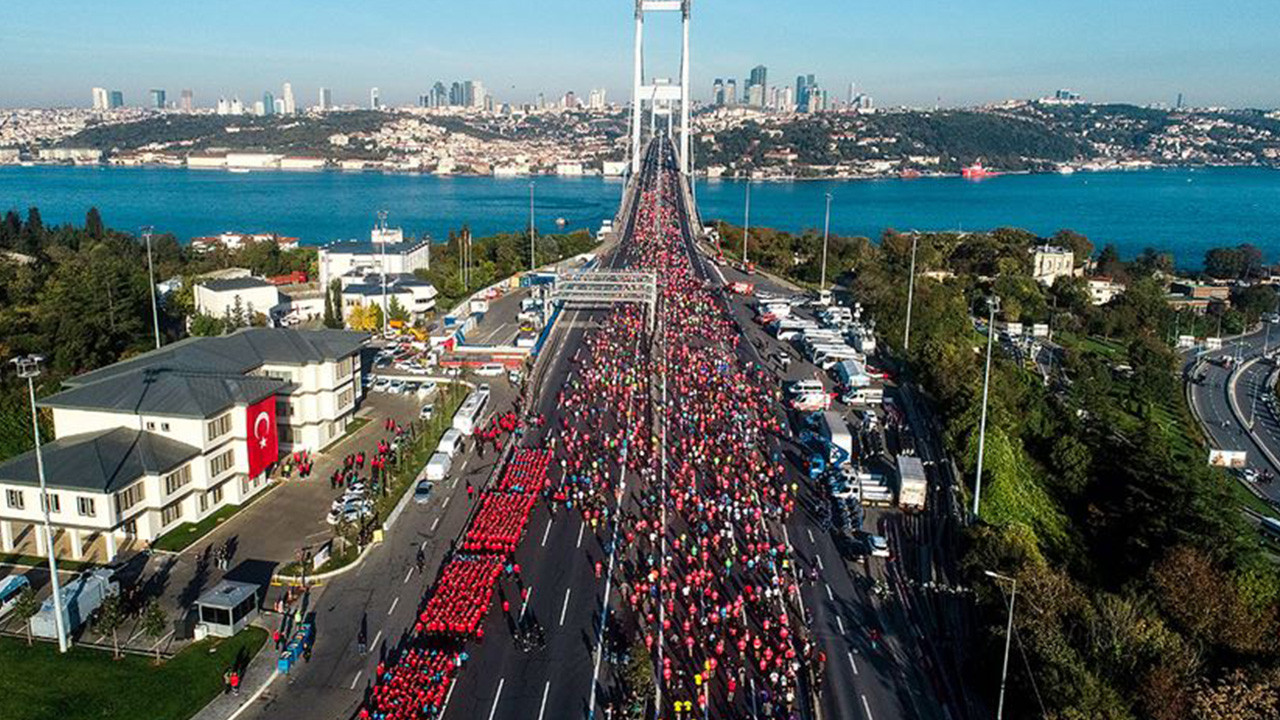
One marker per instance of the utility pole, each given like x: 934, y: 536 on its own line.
x: 911, y: 291
x: 151, y: 274
x: 382, y: 238
x: 746, y: 225
x: 994, y: 303
x: 826, y: 232
x: 531, y: 228
x: 29, y: 368
x: 1008, y: 635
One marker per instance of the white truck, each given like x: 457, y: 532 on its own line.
x: 80, y: 599
x: 837, y: 433
x: 913, y: 484
x: 438, y: 467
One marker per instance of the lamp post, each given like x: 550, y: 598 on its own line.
x: 29, y: 368
x: 531, y: 228
x: 826, y: 232
x: 382, y: 238
x: 993, y: 303
x: 746, y: 224
x: 911, y: 291
x: 151, y: 274
x: 1008, y: 635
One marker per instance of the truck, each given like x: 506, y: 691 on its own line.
x: 913, y: 484
x: 851, y: 374
x: 438, y: 467
x: 836, y: 432
x: 742, y: 288
x: 80, y: 599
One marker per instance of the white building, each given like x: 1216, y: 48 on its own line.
x: 1049, y: 263
x: 171, y: 436
x: 101, y: 101
x: 252, y: 295
x: 1103, y: 290
x: 418, y: 297
x: 343, y: 257
x: 290, y: 106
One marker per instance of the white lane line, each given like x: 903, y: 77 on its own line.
x: 393, y: 606
x: 502, y: 681
x: 355, y: 680
x: 407, y: 575
x: 785, y: 536
x: 446, y: 502
x: 447, y: 697
x: 581, y: 527
x: 841, y: 624
x: 546, y: 532
x: 525, y: 603
x: 830, y: 597
x: 434, y: 524
x: 852, y: 664
x: 376, y: 638
x: 865, y: 706
x: 564, y: 608
x: 819, y: 559
x: 810, y: 531
x: 543, y: 709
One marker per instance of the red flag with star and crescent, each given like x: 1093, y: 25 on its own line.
x: 264, y: 444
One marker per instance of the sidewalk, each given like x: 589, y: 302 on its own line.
x: 254, y: 680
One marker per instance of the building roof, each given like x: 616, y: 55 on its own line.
x: 231, y: 284
x: 169, y: 392
x: 227, y: 594
x: 101, y: 461
x: 357, y: 247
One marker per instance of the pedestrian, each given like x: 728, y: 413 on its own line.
x: 278, y: 637
x: 234, y: 681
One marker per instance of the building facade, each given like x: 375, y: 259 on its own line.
x: 400, y: 258
x: 1048, y: 263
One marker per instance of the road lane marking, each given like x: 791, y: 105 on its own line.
x: 408, y: 574
x: 810, y: 531
x: 423, y: 545
x: 393, y: 606
x: 447, y: 696
x: 865, y: 706
x: 830, y: 597
x: 543, y: 709
x: 525, y: 603
x: 355, y: 680
x: 564, y: 608
x: 581, y: 527
x: 818, y: 558
x: 841, y: 624
x: 502, y: 681
x: 434, y: 524
x: 852, y: 664
x: 446, y: 502
x: 376, y: 638
x: 546, y: 532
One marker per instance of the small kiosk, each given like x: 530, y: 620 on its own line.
x: 227, y: 608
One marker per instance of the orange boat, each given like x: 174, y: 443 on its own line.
x: 976, y: 172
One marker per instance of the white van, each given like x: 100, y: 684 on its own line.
x: 450, y: 442
x: 438, y: 467
x: 10, y: 590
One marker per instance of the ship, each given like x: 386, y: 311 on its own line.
x: 976, y: 172
x: 909, y: 174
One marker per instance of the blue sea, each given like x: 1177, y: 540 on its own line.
x: 1183, y: 211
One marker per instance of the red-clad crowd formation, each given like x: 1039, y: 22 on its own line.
x: 461, y: 596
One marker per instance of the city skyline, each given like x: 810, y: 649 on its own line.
x: 934, y: 54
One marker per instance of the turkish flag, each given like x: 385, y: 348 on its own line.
x: 264, y: 444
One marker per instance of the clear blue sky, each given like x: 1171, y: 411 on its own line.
x: 963, y: 52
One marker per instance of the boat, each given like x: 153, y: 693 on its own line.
x: 976, y: 172
x: 238, y: 170
x: 1065, y: 170
x: 909, y: 174
x: 561, y: 222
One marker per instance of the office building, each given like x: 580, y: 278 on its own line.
x: 237, y: 107
x: 289, y: 106
x: 259, y: 108
x: 188, y: 102
x: 439, y: 95
x: 457, y: 94
x: 351, y: 257
x: 717, y: 92
x: 174, y: 435
x: 279, y: 107
x: 595, y: 99
x: 268, y: 103
x: 326, y: 98
x: 157, y: 98
x: 755, y: 96
x: 375, y: 102
x: 477, y: 95
x: 101, y: 101
x: 116, y: 99
x: 758, y: 78
x: 730, y: 92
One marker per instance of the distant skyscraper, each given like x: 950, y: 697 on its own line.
x: 117, y: 99
x: 289, y: 107
x: 157, y: 98
x: 730, y: 92
x: 569, y: 101
x: 853, y: 94
x: 188, y: 102
x: 755, y: 95
x: 717, y: 92
x: 439, y: 95
x: 759, y: 78
x: 101, y: 101
x: 237, y: 107
x: 279, y: 108
x: 595, y: 99
x: 803, y: 85
x: 457, y: 94
x: 268, y: 104
x: 542, y: 101
x: 259, y: 108
x: 787, y: 103
x: 375, y: 102
x: 326, y: 98
x: 224, y: 106
x: 477, y: 95
x: 1178, y: 105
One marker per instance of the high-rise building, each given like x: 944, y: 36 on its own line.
x: 542, y: 101
x: 259, y: 108
x: 759, y: 77
x: 268, y: 103
x: 457, y: 94
x: 279, y: 107
x: 755, y: 95
x: 326, y: 98
x: 289, y: 107
x: 569, y: 101
x: 730, y: 92
x: 237, y: 107
x: 188, y: 102
x: 853, y: 94
x: 595, y: 99
x: 375, y: 102
x: 223, y: 106
x: 787, y: 103
x: 717, y: 92
x: 101, y: 101
x: 477, y: 95
x: 439, y: 95
x: 157, y: 98
x: 803, y: 85
x: 116, y: 99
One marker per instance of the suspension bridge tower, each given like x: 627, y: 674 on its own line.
x: 665, y: 94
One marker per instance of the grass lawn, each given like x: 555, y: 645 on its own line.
x: 33, y: 561
x: 38, y: 684
x: 186, y: 534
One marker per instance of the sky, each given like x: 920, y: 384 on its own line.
x: 911, y: 52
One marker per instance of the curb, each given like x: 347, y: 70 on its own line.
x: 1239, y: 414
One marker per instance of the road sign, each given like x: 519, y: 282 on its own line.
x: 1228, y: 458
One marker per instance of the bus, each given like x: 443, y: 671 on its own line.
x: 471, y: 411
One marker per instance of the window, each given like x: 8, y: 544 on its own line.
x: 129, y: 497
x: 222, y: 463
x: 343, y: 368
x: 218, y: 427
x: 286, y: 433
x: 151, y: 425
x: 283, y: 408
x: 15, y: 500
x: 345, y: 397
x: 176, y: 480
x: 85, y: 506
x: 285, y: 375
x: 164, y: 427
x: 215, y: 495
x: 204, y: 501
x: 130, y: 528
x: 55, y: 503
x: 170, y: 512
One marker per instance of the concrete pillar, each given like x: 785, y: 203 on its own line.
x: 40, y: 539
x: 637, y: 81
x: 110, y: 537
x: 77, y: 544
x: 6, y: 535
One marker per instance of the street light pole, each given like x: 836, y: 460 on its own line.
x: 382, y: 240
x: 29, y: 368
x: 746, y: 225
x: 911, y: 291
x: 1008, y: 635
x: 993, y: 303
x: 151, y: 274
x: 531, y: 228
x: 826, y: 232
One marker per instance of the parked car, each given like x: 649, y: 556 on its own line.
x: 350, y: 512
x: 422, y: 492
x: 426, y: 412
x: 878, y: 546
x: 381, y: 385
x: 489, y: 370
x: 10, y: 590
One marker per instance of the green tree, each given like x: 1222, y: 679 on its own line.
x: 333, y: 296
x: 109, y: 619
x: 396, y: 311
x: 203, y: 325
x: 32, y: 237
x: 93, y: 224
x: 155, y: 623
x: 26, y: 608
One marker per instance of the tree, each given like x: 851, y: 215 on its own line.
x: 10, y: 229
x: 26, y: 608
x: 93, y: 224
x: 1233, y: 263
x: 110, y: 619
x: 334, y: 314
x: 1238, y: 696
x: 236, y: 315
x: 1078, y: 244
x: 154, y: 623
x: 32, y: 233
x: 204, y: 325
x: 396, y: 311
x: 329, y: 321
